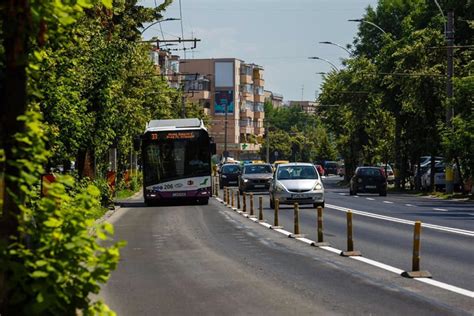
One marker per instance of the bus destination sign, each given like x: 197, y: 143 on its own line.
x: 173, y: 135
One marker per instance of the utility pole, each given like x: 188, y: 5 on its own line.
x: 226, y: 154
x: 449, y: 35
x: 267, y: 128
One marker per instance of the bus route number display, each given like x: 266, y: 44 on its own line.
x: 173, y: 135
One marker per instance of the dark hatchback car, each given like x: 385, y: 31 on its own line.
x: 368, y: 180
x: 255, y: 177
x: 330, y: 167
x: 229, y: 175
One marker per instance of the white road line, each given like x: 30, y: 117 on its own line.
x: 370, y: 199
x: 356, y: 196
x: 381, y: 265
x: 388, y: 202
x: 403, y: 221
x: 410, y: 205
x: 448, y: 287
x: 440, y: 209
x: 342, y: 193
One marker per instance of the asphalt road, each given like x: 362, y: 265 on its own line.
x: 447, y: 250
x: 183, y: 260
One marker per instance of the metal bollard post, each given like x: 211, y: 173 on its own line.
x: 297, y: 219
x: 320, y: 229
x: 251, y: 204
x: 260, y: 208
x: 216, y: 188
x: 275, y: 218
x: 238, y: 200
x: 244, y: 199
x: 296, y: 230
x: 350, y: 243
x: 232, y: 199
x: 225, y: 195
x: 416, y: 273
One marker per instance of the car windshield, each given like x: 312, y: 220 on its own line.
x: 297, y: 172
x: 369, y: 172
x: 230, y: 169
x: 250, y: 169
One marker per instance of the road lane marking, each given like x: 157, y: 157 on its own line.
x: 445, y: 286
x: 370, y: 199
x: 380, y: 265
x: 342, y: 193
x: 410, y: 205
x: 356, y: 196
x: 404, y: 221
x: 440, y: 209
x: 388, y: 202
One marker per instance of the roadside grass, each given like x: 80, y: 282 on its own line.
x: 124, y: 193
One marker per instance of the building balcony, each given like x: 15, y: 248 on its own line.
x: 245, y: 113
x: 246, y: 129
x: 259, y: 115
x: 248, y: 96
x: 245, y: 79
x: 198, y: 95
x: 259, y: 82
x: 259, y: 98
x: 259, y: 131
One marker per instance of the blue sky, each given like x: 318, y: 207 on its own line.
x: 278, y: 35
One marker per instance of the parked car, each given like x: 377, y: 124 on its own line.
x: 229, y: 175
x: 388, y: 171
x: 320, y: 170
x: 341, y: 170
x: 255, y: 177
x: 439, y: 178
x: 297, y: 183
x: 368, y: 180
x: 330, y: 167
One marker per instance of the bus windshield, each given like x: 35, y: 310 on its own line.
x: 172, y: 159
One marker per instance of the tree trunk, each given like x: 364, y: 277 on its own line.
x: 16, y: 28
x: 398, y: 150
x: 85, y: 164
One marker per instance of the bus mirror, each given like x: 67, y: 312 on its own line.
x: 213, y: 148
x: 137, y: 142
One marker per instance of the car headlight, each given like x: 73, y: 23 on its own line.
x: 318, y: 186
x: 279, y: 188
x: 224, y: 176
x: 245, y: 180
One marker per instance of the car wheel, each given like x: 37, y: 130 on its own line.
x: 351, y: 192
x: 204, y: 201
x: 316, y: 205
x: 221, y: 186
x: 383, y: 193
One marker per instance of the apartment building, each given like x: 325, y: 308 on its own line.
x: 234, y: 93
x: 307, y: 106
x: 275, y: 99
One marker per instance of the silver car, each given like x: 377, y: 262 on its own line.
x: 297, y: 183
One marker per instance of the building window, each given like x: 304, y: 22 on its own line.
x: 246, y: 70
x: 258, y: 90
x: 246, y: 88
x: 258, y: 107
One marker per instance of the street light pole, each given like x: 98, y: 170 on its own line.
x: 340, y: 46
x: 156, y: 22
x: 330, y: 63
x: 368, y: 22
x: 225, y: 133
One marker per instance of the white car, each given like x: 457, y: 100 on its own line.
x: 297, y: 183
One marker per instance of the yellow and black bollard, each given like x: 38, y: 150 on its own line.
x: 238, y: 200
x: 275, y: 217
x: 260, y: 208
x: 251, y: 204
x: 232, y: 199
x: 350, y: 242
x: 226, y: 195
x: 216, y: 188
x: 416, y: 273
x: 296, y: 229
x: 320, y: 229
x: 244, y: 200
